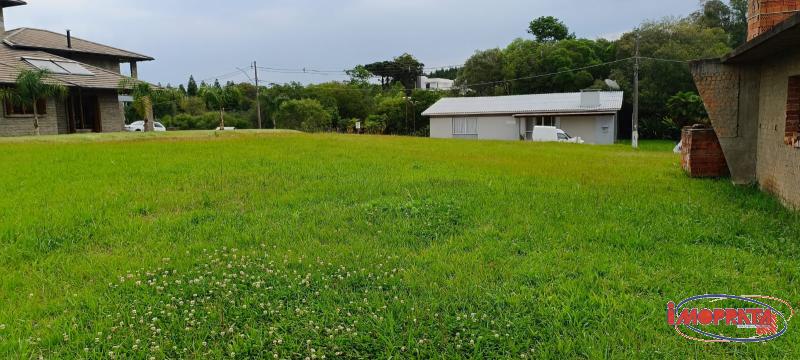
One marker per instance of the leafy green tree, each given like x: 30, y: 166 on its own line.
x: 385, y: 70
x: 675, y: 41
x: 192, y: 105
x: 404, y: 69
x: 359, y: 75
x: 483, y: 73
x: 731, y: 17
x: 191, y: 89
x: 307, y: 115
x: 397, y: 111
x: 737, y: 29
x: 217, y: 98
x: 167, y: 102
x: 32, y: 86
x: 349, y: 101
x: 548, y: 29
x: 685, y: 109
x: 448, y: 73
x: 409, y: 69
x: 529, y: 60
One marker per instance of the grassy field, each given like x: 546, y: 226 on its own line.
x: 264, y: 245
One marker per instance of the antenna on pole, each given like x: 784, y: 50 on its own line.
x: 635, y: 135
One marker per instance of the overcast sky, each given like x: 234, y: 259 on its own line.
x: 211, y: 38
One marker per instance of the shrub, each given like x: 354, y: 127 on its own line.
x: 306, y: 115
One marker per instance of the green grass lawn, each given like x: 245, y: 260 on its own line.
x: 270, y: 245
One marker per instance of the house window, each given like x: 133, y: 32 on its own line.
x: 545, y: 121
x: 465, y: 128
x: 793, y: 113
x: 13, y: 109
x: 531, y: 122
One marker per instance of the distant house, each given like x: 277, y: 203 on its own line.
x: 590, y: 115
x: 427, y: 83
x: 91, y: 71
x: 753, y: 99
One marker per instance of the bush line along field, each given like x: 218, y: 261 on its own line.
x: 269, y: 245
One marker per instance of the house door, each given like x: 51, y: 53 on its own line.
x: 84, y: 113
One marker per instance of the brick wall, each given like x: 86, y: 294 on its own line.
x: 702, y: 154
x: 792, y: 137
x: 719, y: 87
x: 763, y: 15
x: 731, y: 95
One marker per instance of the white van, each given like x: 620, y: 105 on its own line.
x: 553, y: 134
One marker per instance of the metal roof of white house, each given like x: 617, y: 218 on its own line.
x: 610, y: 101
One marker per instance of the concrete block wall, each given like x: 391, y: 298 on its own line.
x: 23, y: 125
x: 778, y: 168
x: 111, y: 114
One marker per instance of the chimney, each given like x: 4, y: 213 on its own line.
x: 4, y: 4
x: 763, y: 15
x: 590, y: 99
x: 69, y: 38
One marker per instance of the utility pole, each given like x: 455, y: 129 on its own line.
x: 258, y: 95
x: 635, y: 137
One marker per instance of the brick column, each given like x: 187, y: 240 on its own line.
x: 702, y: 154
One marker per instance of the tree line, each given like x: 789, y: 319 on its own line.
x: 381, y: 95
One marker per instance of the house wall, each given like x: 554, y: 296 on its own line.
x: 56, y: 120
x: 599, y: 130
x: 111, y: 114
x: 593, y: 129
x: 23, y: 125
x: 778, y: 165
x: 489, y: 127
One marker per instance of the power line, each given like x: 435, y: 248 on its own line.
x: 548, y: 74
x: 664, y: 60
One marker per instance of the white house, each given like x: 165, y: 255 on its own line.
x: 426, y: 83
x: 590, y: 115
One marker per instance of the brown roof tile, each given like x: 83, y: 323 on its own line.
x: 12, y: 61
x: 27, y: 38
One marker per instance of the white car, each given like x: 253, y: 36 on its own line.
x: 138, y: 126
x: 553, y: 134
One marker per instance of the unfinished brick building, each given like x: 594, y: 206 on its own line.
x: 753, y: 99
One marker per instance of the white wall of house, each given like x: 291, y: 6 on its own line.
x: 488, y: 128
x: 593, y: 129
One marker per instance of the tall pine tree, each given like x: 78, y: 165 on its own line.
x: 191, y: 89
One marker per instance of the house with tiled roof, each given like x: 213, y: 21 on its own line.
x: 92, y: 72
